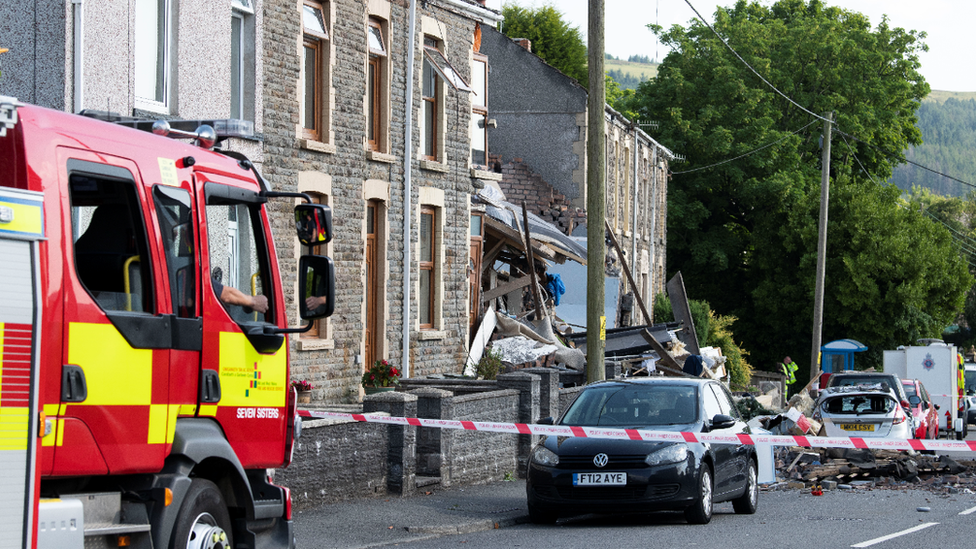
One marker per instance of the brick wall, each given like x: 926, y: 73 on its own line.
x: 520, y: 183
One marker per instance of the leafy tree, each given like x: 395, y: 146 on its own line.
x: 744, y: 233
x: 620, y: 100
x: 712, y: 330
x: 553, y: 39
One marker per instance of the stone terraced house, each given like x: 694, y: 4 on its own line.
x: 323, y: 87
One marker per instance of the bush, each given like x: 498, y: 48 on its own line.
x: 489, y: 365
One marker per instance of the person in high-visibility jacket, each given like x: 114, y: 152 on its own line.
x: 789, y: 370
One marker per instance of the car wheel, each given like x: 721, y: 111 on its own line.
x: 539, y: 516
x: 203, y: 521
x: 746, y: 503
x: 701, y: 511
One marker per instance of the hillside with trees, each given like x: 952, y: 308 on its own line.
x: 948, y: 126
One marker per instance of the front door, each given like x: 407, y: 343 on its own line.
x: 372, y: 290
x: 476, y: 252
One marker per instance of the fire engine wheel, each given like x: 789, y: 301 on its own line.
x: 203, y: 521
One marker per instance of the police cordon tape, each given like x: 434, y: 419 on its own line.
x: 666, y: 436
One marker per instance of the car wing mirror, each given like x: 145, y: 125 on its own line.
x: 722, y: 421
x: 914, y: 400
x: 313, y: 224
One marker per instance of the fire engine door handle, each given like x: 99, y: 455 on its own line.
x: 209, y: 387
x: 73, y: 385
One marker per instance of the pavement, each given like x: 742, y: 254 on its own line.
x: 432, y: 512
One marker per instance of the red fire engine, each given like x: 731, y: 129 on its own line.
x: 144, y: 388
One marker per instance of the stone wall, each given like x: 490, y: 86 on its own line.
x: 338, y: 459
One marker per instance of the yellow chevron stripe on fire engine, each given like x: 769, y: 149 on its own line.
x: 248, y: 378
x: 56, y: 436
x: 13, y: 427
x: 162, y: 423
x: 115, y: 373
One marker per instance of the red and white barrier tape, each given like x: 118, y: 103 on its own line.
x: 672, y: 436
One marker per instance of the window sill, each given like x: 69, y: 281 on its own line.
x: 485, y: 174
x: 431, y: 335
x: 377, y: 156
x: 319, y: 146
x: 433, y: 166
x: 315, y: 344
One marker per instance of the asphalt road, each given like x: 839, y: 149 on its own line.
x: 787, y: 519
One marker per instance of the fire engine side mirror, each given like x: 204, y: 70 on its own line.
x: 313, y: 223
x: 318, y: 290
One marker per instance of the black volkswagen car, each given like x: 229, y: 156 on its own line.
x: 571, y: 476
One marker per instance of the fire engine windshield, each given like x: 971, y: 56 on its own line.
x: 238, y: 259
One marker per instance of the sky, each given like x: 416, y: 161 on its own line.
x: 947, y: 22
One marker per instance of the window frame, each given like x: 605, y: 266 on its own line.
x: 479, y: 110
x: 163, y: 44
x: 318, y: 42
x: 375, y: 85
x: 434, y: 101
x: 428, y: 266
x: 242, y: 107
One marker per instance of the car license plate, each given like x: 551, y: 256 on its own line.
x: 857, y: 427
x: 599, y: 479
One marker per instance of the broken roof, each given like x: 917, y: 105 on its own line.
x: 548, y: 240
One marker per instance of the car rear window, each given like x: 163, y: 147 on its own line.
x: 847, y: 380
x: 859, y: 404
x: 634, y: 406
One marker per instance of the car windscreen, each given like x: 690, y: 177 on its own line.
x: 634, y: 405
x: 910, y: 389
x: 859, y: 404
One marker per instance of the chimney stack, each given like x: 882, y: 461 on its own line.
x: 524, y: 42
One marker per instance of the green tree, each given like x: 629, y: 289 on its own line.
x: 744, y: 233
x: 553, y: 39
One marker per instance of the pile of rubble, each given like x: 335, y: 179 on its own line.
x: 835, y: 468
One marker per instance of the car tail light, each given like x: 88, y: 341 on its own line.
x: 899, y: 417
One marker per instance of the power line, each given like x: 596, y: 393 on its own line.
x: 901, y: 158
x: 753, y: 151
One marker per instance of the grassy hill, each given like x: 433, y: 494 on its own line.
x: 633, y: 72
x: 938, y: 96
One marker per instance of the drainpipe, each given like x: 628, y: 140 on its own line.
x: 633, y: 207
x: 407, y: 189
x: 78, y: 15
x: 653, y: 212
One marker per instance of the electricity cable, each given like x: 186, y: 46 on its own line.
x: 753, y: 151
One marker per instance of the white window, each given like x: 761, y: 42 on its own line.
x: 242, y: 59
x: 152, y: 42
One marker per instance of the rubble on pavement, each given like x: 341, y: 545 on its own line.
x: 839, y: 468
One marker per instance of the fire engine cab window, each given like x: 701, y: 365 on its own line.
x: 236, y: 258
x: 176, y: 231
x: 111, y: 250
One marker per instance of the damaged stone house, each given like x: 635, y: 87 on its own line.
x: 321, y: 88
x: 538, y: 144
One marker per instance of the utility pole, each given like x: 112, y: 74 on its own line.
x: 596, y: 201
x: 821, y: 247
